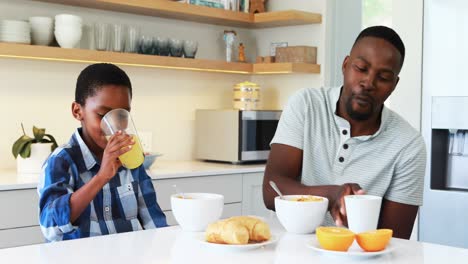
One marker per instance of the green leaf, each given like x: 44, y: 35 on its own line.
x: 38, y: 133
x: 25, y: 152
x: 52, y: 139
x: 19, y: 144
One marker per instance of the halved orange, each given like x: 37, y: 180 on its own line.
x: 334, y: 238
x: 375, y: 240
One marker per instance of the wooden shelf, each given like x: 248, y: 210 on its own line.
x: 202, y: 14
x: 29, y: 52
x: 284, y: 68
x: 92, y: 56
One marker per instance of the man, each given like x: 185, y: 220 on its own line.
x: 340, y: 141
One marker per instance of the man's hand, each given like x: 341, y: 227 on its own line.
x: 117, y: 145
x: 337, y: 205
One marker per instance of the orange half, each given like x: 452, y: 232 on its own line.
x: 376, y: 240
x: 334, y: 238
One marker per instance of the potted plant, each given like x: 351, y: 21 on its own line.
x: 31, y: 152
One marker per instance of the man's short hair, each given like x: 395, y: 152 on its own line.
x: 387, y: 34
x: 95, y: 76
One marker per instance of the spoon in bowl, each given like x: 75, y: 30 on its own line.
x: 273, y: 185
x: 178, y: 191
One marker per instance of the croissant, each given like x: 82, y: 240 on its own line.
x: 238, y: 230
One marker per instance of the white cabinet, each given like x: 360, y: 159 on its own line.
x: 19, y: 208
x: 252, y: 195
x: 21, y: 236
x: 19, y: 218
x: 229, y: 185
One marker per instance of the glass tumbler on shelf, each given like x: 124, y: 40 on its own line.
x: 121, y: 120
x: 145, y: 45
x: 101, y: 36
x: 163, y: 46
x: 190, y: 48
x: 118, y: 38
x: 155, y: 50
x: 176, y: 46
x: 131, y: 39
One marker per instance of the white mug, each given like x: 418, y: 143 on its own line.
x: 362, y: 212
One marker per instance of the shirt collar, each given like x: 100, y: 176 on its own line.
x: 334, y: 96
x: 88, y: 157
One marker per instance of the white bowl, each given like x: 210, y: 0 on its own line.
x: 300, y: 217
x: 196, y: 211
x: 42, y: 34
x: 67, y: 18
x: 41, y: 21
x: 62, y: 28
x: 68, y: 39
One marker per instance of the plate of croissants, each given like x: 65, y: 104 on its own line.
x: 238, y: 233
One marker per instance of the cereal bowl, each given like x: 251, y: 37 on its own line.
x: 195, y: 211
x: 301, y: 214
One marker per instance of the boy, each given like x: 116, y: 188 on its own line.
x: 84, y: 190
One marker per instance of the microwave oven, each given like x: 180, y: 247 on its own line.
x: 234, y: 136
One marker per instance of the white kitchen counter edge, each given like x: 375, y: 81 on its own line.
x: 9, y: 179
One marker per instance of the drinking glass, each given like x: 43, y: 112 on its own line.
x: 131, y: 44
x: 120, y: 119
x: 190, y: 48
x: 145, y: 45
x: 101, y: 36
x: 118, y: 38
x: 176, y: 47
x: 163, y: 46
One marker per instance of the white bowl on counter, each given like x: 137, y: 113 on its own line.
x: 195, y: 211
x: 300, y: 217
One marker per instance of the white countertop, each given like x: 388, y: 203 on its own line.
x: 9, y: 180
x: 172, y: 245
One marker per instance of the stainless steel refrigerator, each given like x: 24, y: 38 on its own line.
x: 444, y: 214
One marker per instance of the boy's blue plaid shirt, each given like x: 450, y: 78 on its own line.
x: 126, y: 203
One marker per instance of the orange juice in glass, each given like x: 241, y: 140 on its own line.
x: 120, y: 119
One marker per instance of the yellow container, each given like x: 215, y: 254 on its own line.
x: 246, y: 96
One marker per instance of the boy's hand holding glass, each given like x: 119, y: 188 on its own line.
x: 120, y: 120
x: 117, y: 145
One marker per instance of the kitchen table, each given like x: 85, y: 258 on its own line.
x: 173, y: 245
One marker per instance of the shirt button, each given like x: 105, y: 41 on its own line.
x: 345, y: 132
x: 106, y: 209
x: 341, y: 159
x: 345, y: 146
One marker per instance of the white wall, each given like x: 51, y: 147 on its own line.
x: 40, y: 93
x: 278, y: 88
x: 407, y: 20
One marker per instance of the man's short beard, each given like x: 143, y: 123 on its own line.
x: 356, y: 115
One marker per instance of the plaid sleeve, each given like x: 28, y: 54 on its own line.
x: 149, y: 212
x: 55, y: 188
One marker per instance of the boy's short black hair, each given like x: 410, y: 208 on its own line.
x: 95, y: 76
x: 387, y: 34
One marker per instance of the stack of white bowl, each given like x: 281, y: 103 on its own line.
x: 42, y: 30
x: 15, y: 31
x: 68, y: 30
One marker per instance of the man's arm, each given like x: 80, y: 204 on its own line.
x: 406, y: 187
x: 399, y: 217
x: 284, y: 168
